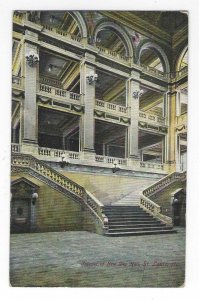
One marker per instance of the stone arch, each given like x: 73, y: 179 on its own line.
x: 159, y: 51
x: 123, y: 35
x: 80, y: 21
x: 180, y: 58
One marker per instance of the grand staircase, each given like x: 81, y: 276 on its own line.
x: 133, y: 220
x: 132, y: 215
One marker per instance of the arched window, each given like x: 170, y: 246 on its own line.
x: 153, y: 56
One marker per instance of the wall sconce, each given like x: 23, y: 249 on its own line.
x: 51, y: 67
x: 116, y: 166
x: 32, y: 59
x: 64, y: 162
x: 137, y: 94
x: 92, y: 78
x: 34, y: 197
x: 53, y: 19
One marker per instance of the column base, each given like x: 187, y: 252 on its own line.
x: 29, y: 148
x: 133, y: 163
x: 88, y: 156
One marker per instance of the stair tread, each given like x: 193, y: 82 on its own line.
x: 141, y: 232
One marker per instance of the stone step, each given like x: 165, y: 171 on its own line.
x: 136, y: 222
x: 146, y: 228
x: 144, y: 232
x: 140, y: 219
x: 124, y: 226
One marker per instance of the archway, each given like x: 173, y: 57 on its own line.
x: 153, y: 56
x: 182, y: 61
x: 111, y: 36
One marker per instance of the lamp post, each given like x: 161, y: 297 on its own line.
x: 34, y: 198
x: 116, y: 166
x: 63, y: 161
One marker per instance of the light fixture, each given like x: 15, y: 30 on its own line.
x: 92, y: 78
x: 51, y: 67
x: 34, y: 197
x: 53, y: 19
x: 116, y: 166
x: 64, y: 162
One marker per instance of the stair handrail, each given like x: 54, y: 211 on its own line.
x: 63, y: 183
x: 163, y: 182
x: 150, y: 206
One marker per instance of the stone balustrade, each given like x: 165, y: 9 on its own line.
x: 183, y: 72
x: 17, y: 81
x: 25, y: 162
x: 157, y: 73
x: 150, y: 165
x: 57, y: 92
x: 61, y: 32
x: 182, y: 119
x: 114, y: 54
x: 106, y: 106
x: 111, y: 160
x: 154, y: 209
x: 162, y: 183
x: 57, y: 153
x: 150, y: 206
x: 15, y: 147
x: 143, y: 116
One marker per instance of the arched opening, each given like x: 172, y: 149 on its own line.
x: 151, y: 55
x: 110, y: 36
x: 182, y: 60
x: 109, y: 39
x: 61, y: 20
x: 150, y: 58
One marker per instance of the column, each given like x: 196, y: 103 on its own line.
x: 171, y: 140
x: 133, y: 95
x: 87, y: 90
x: 30, y: 128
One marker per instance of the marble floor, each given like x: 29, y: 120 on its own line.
x: 85, y: 259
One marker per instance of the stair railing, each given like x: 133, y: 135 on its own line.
x: 153, y: 208
x: 38, y: 169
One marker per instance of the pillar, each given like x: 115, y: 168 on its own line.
x: 171, y: 140
x: 133, y: 95
x: 30, y: 128
x: 87, y: 90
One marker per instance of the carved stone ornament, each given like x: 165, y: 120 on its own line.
x: 137, y: 94
x: 92, y: 78
x: 32, y: 59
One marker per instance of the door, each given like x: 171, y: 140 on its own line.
x: 20, y: 215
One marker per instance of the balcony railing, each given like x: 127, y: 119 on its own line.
x: 15, y: 147
x: 17, y: 81
x: 57, y: 92
x: 114, y: 54
x: 151, y: 118
x: 182, y: 119
x: 154, y: 71
x: 148, y: 165
x: 62, y: 33
x: 57, y: 153
x: 111, y: 107
x: 111, y: 160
